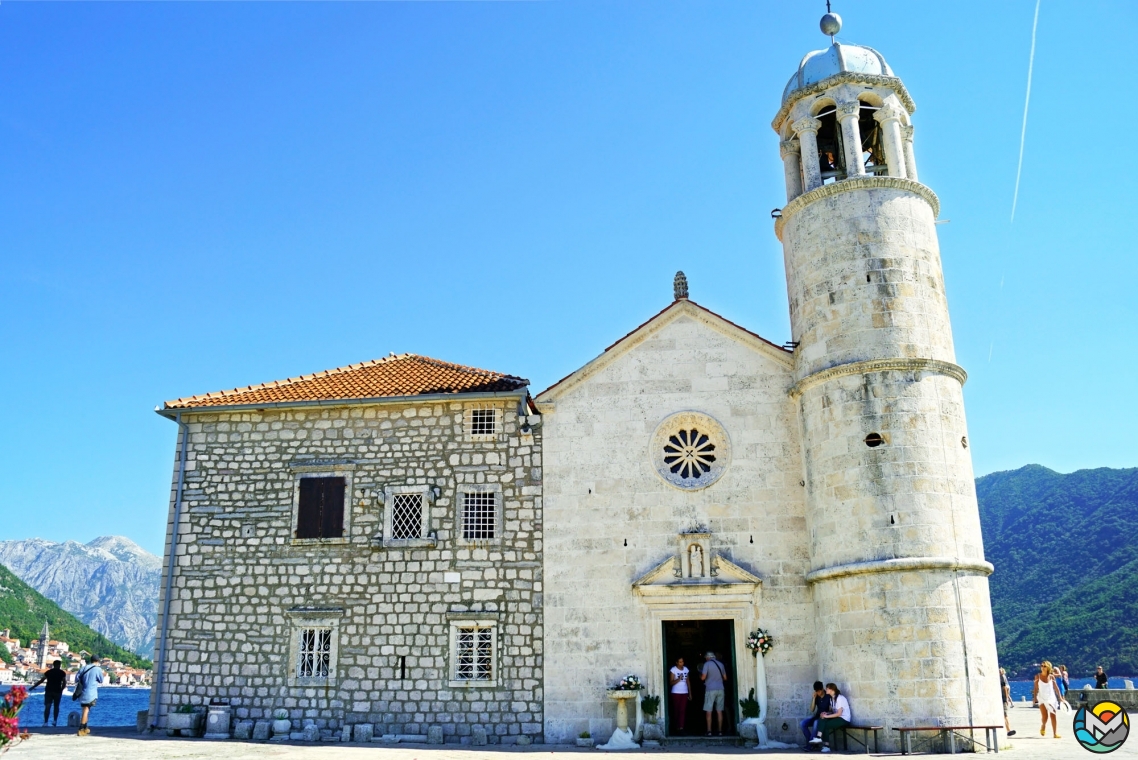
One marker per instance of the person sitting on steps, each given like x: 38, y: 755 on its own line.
x: 839, y: 716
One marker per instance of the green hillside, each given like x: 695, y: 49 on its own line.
x: 1065, y: 548
x: 24, y: 610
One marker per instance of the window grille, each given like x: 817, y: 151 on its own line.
x: 481, y: 422
x: 315, y: 653
x: 474, y: 653
x: 407, y: 515
x: 479, y: 515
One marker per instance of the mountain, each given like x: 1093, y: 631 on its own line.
x: 111, y: 584
x: 1065, y: 548
x: 24, y: 610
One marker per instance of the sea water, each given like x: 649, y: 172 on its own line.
x: 117, y: 706
x: 1021, y: 689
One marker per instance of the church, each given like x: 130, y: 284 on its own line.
x: 412, y: 550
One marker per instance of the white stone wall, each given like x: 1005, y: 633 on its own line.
x: 229, y: 635
x: 602, y: 490
x: 865, y: 285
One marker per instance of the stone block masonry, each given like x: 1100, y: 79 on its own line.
x: 244, y: 587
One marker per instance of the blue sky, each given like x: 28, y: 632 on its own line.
x: 195, y: 196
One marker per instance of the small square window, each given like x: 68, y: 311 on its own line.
x: 406, y: 516
x: 479, y: 516
x: 314, y: 652
x: 482, y: 423
x: 473, y: 649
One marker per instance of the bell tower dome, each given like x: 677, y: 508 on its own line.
x: 898, y: 576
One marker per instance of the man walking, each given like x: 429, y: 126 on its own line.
x: 713, y: 675
x: 56, y: 678
x: 1006, y: 698
x: 87, y: 691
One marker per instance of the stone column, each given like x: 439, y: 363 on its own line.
x: 851, y: 136
x: 889, y: 117
x: 791, y: 167
x: 807, y: 130
x: 910, y: 158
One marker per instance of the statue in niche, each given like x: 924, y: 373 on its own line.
x: 695, y: 560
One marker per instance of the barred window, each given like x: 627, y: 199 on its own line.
x: 481, y: 422
x: 479, y: 515
x: 474, y: 653
x: 314, y: 653
x: 406, y: 515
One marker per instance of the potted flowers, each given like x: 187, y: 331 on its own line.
x: 184, y: 719
x: 585, y: 739
x: 10, y: 708
x: 760, y: 642
x: 629, y: 683
x: 653, y: 731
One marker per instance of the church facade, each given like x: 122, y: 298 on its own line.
x: 413, y: 548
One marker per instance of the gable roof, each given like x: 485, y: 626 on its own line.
x: 670, y: 313
x: 393, y: 376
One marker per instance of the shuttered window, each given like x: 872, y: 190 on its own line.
x: 321, y: 511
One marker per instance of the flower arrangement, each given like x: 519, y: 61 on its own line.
x: 760, y: 642
x: 629, y: 683
x: 9, y: 720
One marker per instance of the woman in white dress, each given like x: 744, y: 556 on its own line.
x: 1046, y: 694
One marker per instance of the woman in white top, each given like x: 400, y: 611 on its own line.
x: 840, y: 715
x: 1046, y: 694
x: 680, y: 689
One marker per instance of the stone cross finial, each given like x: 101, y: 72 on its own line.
x: 680, y: 286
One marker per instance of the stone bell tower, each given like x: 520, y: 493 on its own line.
x: 900, y: 587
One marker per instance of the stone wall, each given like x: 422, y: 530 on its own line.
x: 602, y: 490
x: 239, y: 572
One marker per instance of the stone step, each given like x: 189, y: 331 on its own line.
x: 705, y: 741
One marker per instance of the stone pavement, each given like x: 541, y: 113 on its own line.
x: 117, y: 743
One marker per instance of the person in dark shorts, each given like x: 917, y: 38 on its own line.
x: 56, y: 678
x: 1006, y: 698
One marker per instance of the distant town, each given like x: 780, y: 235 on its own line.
x: 30, y: 662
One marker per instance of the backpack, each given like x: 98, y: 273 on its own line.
x: 80, y: 682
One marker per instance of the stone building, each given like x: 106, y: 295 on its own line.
x: 360, y: 547
x: 690, y: 485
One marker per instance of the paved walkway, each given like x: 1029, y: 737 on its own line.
x: 118, y: 743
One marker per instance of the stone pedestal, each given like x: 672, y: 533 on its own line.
x: 622, y: 737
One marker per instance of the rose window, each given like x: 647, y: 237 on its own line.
x: 690, y: 450
x: 689, y: 453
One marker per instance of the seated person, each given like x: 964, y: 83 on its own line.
x: 819, y: 703
x: 838, y: 716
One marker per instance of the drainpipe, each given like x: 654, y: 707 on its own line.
x: 160, y: 661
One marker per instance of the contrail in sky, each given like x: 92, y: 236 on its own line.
x: 1026, y: 102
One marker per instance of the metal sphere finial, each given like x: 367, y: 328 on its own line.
x: 831, y: 24
x: 680, y: 286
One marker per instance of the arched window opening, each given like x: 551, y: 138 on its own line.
x: 872, y: 142
x: 830, y: 153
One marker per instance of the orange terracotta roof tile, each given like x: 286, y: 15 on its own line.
x: 395, y: 375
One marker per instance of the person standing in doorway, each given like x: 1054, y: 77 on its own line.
x: 714, y: 676
x: 86, y: 692
x: 1006, y: 698
x: 1101, y: 678
x: 681, y: 693
x: 56, y: 678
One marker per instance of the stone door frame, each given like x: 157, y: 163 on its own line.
x: 742, y: 612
